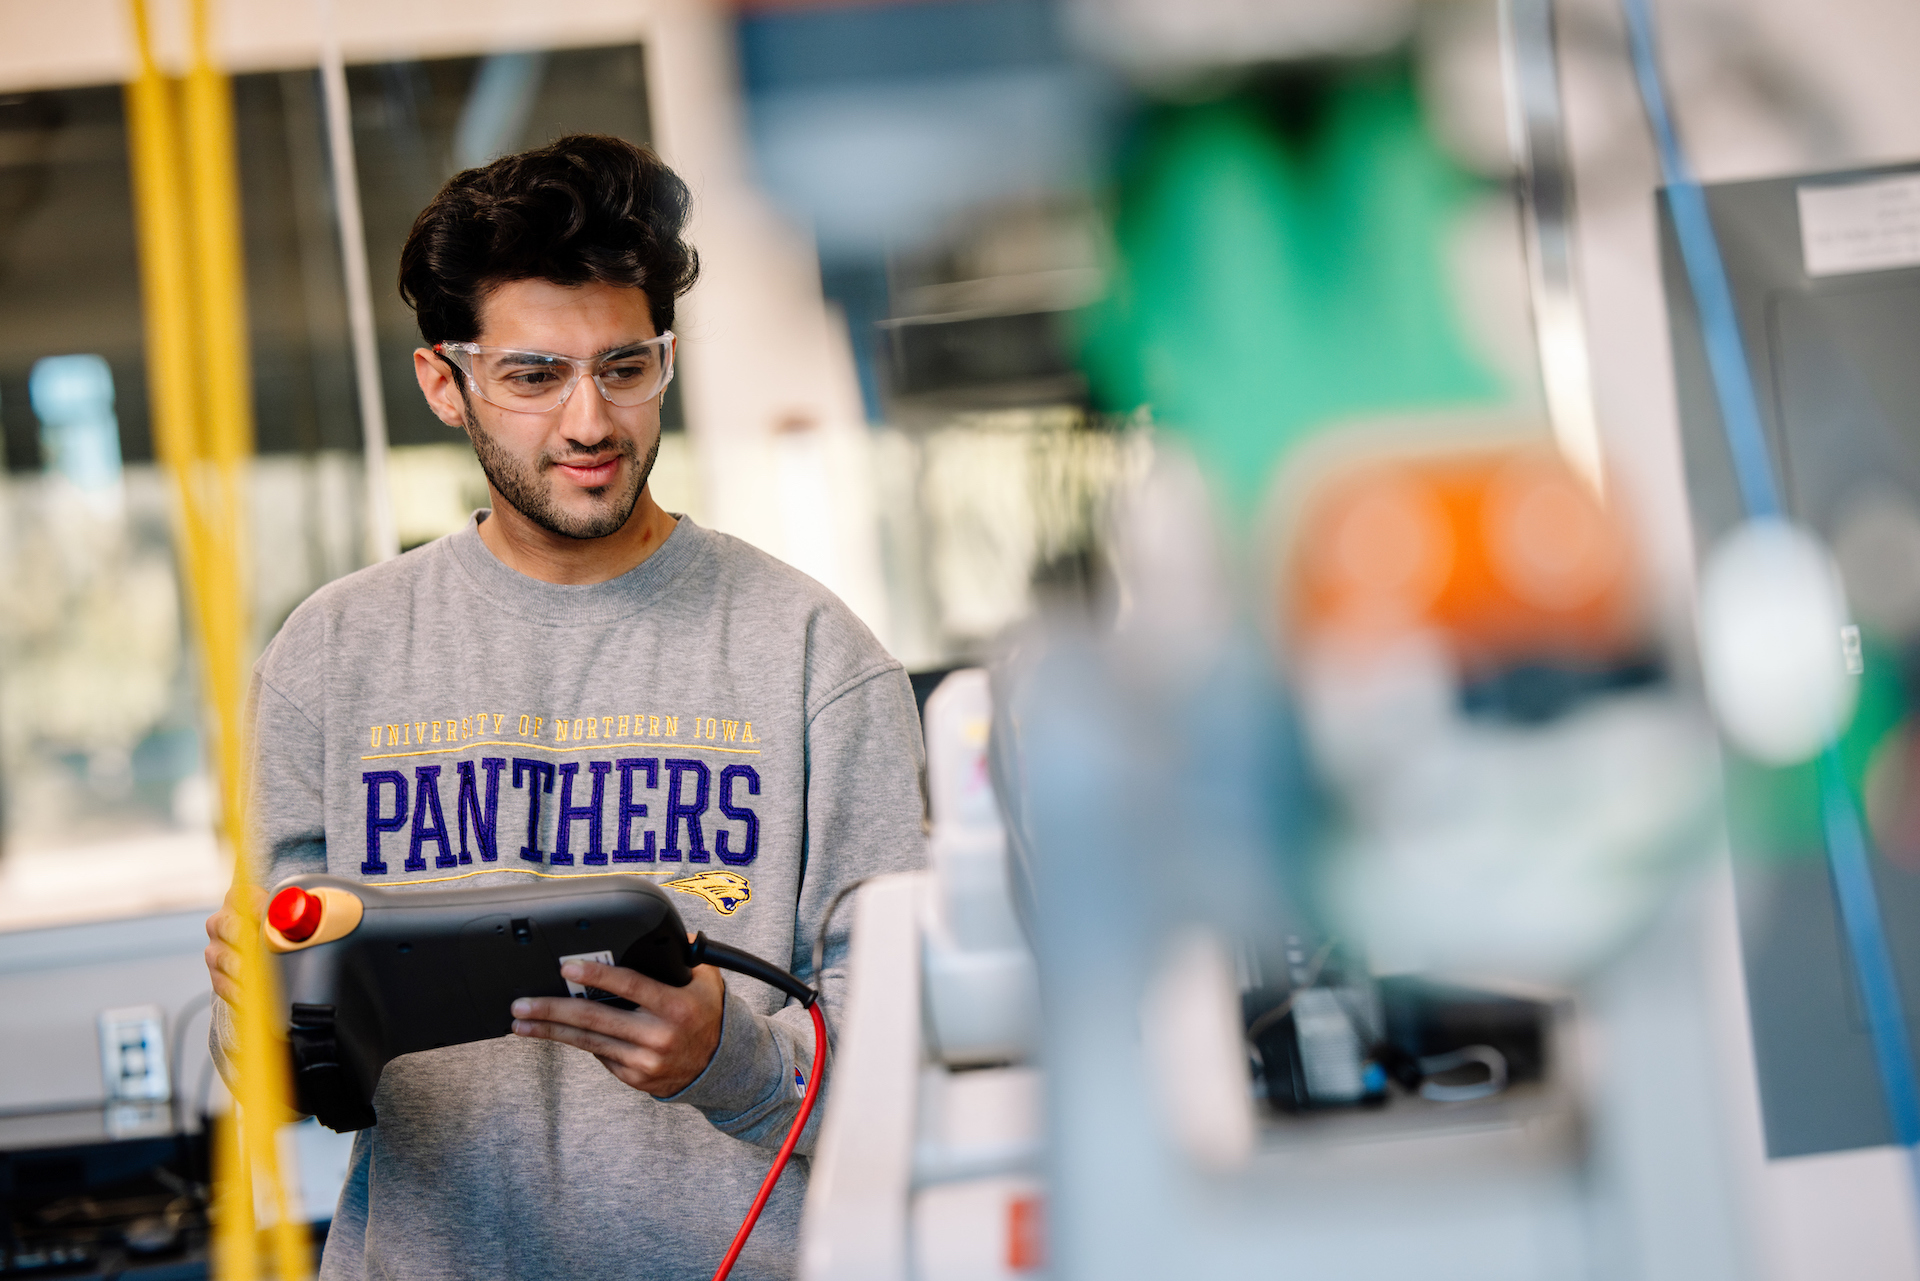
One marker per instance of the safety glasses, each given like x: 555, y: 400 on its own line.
x: 537, y: 382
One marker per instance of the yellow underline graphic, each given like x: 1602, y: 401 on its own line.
x: 518, y: 871
x: 542, y: 747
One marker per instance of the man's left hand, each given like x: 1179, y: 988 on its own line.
x: 659, y: 1048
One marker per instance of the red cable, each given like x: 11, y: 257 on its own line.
x: 786, y: 1149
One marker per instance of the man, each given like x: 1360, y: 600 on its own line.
x: 580, y: 682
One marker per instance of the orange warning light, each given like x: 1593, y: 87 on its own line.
x: 1508, y: 554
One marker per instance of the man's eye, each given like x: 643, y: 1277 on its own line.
x: 532, y: 379
x: 628, y: 372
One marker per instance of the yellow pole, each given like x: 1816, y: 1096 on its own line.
x: 164, y: 272
x: 187, y: 194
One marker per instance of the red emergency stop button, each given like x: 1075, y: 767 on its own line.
x: 295, y: 913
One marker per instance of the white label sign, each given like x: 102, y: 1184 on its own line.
x: 581, y: 989
x: 1861, y: 226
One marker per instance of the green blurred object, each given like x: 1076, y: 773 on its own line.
x: 1282, y: 267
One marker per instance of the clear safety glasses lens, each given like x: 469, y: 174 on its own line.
x: 533, y: 382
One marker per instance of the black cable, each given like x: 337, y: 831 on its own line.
x: 708, y: 951
x: 205, y: 1092
x: 820, y: 939
x: 181, y: 1022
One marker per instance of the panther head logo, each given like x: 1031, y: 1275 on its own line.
x: 723, y: 891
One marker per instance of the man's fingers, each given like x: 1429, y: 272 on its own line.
x: 223, y: 968
x: 235, y: 900
x: 615, y: 1053
x: 224, y: 926
x: 640, y: 1027
x: 660, y: 1048
x: 224, y: 932
x: 229, y: 923
x: 649, y: 994
x: 630, y: 1064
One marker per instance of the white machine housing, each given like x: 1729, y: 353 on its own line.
x: 928, y: 1156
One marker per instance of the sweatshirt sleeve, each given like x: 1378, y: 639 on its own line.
x: 285, y: 815
x: 864, y: 811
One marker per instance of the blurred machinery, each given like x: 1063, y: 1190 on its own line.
x: 1485, y: 696
x: 928, y: 1163
x: 1390, y: 899
x: 1310, y: 977
x: 1361, y: 779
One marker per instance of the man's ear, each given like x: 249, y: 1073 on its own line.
x: 438, y: 386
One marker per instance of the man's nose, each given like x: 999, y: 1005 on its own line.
x: 584, y: 418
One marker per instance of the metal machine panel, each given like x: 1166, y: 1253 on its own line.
x: 1836, y: 365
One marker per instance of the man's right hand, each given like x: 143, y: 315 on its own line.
x: 223, y: 929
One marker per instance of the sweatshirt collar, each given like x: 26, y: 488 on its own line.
x: 566, y: 604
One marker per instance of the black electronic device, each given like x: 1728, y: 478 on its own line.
x: 371, y: 973
x: 1338, y: 1042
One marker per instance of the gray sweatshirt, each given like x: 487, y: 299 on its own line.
x: 713, y: 720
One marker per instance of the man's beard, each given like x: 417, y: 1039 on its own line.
x: 520, y: 486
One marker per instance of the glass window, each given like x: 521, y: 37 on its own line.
x: 105, y: 803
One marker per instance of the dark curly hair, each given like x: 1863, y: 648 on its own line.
x: 583, y: 207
